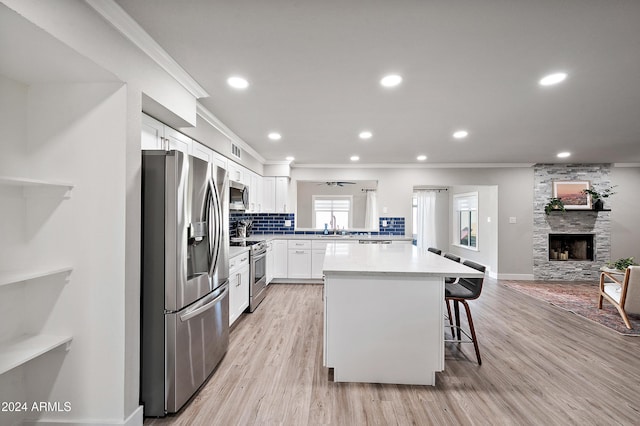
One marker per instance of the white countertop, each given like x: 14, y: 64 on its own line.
x: 403, y: 259
x: 321, y: 237
x: 235, y: 251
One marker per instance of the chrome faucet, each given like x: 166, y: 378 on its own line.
x: 334, y: 224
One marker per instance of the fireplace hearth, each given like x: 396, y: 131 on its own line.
x: 563, y: 247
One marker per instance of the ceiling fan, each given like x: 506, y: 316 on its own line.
x: 337, y: 183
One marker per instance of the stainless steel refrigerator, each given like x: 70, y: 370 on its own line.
x: 185, y: 277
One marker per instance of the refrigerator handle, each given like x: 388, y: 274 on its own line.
x: 208, y: 305
x: 215, y: 226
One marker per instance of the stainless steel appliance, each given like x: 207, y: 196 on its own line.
x: 238, y: 196
x: 258, y: 270
x: 185, y: 273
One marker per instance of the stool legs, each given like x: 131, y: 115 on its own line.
x: 456, y: 331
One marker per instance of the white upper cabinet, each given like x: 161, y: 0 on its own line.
x: 282, y: 194
x: 236, y: 172
x: 220, y: 161
x: 152, y: 133
x: 268, y: 194
x: 202, y: 152
x: 275, y: 194
x: 177, y: 140
x: 156, y: 135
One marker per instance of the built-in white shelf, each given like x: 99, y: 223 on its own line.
x: 28, y: 183
x: 25, y: 348
x: 11, y: 277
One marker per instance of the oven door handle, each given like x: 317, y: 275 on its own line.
x: 258, y: 256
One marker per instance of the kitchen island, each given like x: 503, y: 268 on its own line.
x: 383, y: 308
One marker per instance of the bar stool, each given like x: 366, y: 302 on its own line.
x: 435, y: 250
x: 461, y: 291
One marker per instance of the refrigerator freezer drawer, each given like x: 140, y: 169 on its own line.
x: 197, y: 339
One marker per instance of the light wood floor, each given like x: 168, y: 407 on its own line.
x: 541, y: 366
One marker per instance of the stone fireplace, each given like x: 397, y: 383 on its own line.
x: 570, y: 245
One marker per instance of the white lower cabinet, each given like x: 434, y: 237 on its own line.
x: 280, y: 259
x: 299, y: 259
x: 238, y: 286
x: 270, y: 262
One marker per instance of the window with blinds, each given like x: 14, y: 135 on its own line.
x: 324, y: 208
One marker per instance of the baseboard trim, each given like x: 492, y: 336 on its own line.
x: 517, y: 277
x: 135, y: 419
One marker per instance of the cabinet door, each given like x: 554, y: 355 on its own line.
x: 152, y: 133
x: 243, y: 299
x: 220, y: 161
x: 200, y: 151
x: 253, y: 191
x: 270, y: 264
x: 234, y: 295
x: 268, y: 194
x: 258, y: 192
x: 282, y: 194
x: 236, y: 172
x: 317, y: 259
x: 177, y: 140
x: 299, y: 263
x: 280, y: 259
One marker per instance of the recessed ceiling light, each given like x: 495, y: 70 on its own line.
x: 551, y: 79
x: 289, y: 158
x: 237, y: 82
x: 365, y: 135
x: 421, y: 157
x: 391, y: 80
x: 564, y: 154
x: 460, y: 134
x: 354, y: 158
x: 275, y: 136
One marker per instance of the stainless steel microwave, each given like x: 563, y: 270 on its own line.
x: 238, y: 196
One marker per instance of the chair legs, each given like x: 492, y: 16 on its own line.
x: 458, y: 330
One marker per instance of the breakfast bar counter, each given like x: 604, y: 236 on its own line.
x: 383, y: 308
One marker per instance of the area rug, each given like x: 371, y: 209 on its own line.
x: 580, y: 298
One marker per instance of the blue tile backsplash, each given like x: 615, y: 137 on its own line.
x: 273, y: 223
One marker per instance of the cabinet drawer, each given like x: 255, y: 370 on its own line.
x: 299, y: 244
x: 238, y: 261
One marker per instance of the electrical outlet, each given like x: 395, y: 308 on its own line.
x: 512, y: 219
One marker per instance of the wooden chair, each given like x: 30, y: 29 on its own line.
x: 435, y: 250
x: 461, y: 291
x: 624, y: 295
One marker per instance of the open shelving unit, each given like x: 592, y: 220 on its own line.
x: 11, y: 277
x: 25, y: 348
x: 32, y: 187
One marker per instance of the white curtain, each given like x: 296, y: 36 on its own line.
x: 371, y: 211
x: 426, y: 219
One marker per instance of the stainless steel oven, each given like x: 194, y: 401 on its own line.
x: 258, y: 274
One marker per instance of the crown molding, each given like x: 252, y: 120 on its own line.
x: 215, y: 122
x: 415, y: 166
x: 623, y: 165
x: 116, y: 16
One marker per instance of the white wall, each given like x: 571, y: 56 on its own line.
x: 487, y: 251
x: 625, y: 207
x: 514, y: 199
x: 77, y: 25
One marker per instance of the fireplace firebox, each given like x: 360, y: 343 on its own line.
x: 571, y: 247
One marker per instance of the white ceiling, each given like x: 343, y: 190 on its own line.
x: 314, y: 67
